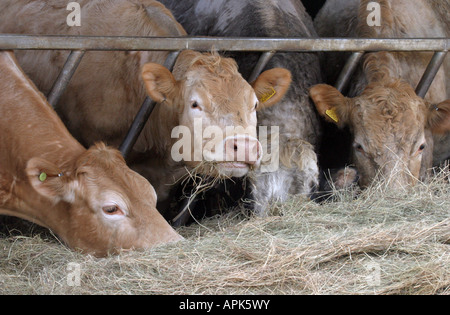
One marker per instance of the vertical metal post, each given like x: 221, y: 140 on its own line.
x: 136, y: 128
x: 262, y: 62
x: 348, y: 70
x: 144, y: 114
x: 430, y: 73
x: 64, y: 76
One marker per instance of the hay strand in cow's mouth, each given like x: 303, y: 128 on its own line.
x: 195, y: 183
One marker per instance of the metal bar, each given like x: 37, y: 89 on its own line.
x: 64, y: 77
x: 144, y: 114
x: 430, y: 73
x: 185, y: 211
x: 27, y: 42
x: 262, y: 62
x: 348, y: 70
x: 137, y: 126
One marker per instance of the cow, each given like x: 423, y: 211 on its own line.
x: 391, y: 127
x: 206, y: 90
x: 87, y: 197
x: 104, y: 95
x: 296, y: 117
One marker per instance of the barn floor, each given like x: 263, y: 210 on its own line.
x: 378, y: 243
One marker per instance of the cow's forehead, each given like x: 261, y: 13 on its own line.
x: 106, y: 169
x: 400, y: 129
x: 390, y: 109
x: 221, y: 95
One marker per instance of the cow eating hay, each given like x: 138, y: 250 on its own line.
x: 395, y: 133
x: 381, y: 243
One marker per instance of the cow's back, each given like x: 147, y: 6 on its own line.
x: 106, y: 85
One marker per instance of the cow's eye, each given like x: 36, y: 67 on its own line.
x: 421, y: 149
x: 112, y: 210
x: 196, y: 106
x: 359, y: 148
x: 256, y: 106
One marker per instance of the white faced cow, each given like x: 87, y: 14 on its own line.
x: 89, y: 198
x: 298, y: 124
x: 109, y: 87
x: 206, y: 90
x: 391, y: 126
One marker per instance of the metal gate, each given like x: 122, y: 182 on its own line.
x: 78, y: 45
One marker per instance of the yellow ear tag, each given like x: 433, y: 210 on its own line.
x: 267, y: 96
x: 332, y: 114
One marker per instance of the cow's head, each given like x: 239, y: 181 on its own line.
x: 210, y: 98
x: 389, y: 124
x: 109, y: 207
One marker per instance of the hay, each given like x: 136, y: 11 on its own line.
x: 378, y: 243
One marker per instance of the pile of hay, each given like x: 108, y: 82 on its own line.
x: 378, y: 243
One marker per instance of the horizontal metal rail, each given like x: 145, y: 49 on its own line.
x: 100, y: 43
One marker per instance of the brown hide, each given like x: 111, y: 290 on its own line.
x: 89, y: 198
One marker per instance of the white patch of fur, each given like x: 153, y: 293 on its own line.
x: 71, y: 191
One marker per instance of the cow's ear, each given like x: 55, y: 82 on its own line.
x: 49, y: 181
x: 439, y: 118
x: 159, y: 82
x: 271, y: 86
x: 331, y: 104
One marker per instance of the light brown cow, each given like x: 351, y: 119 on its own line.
x: 204, y: 91
x: 89, y: 198
x: 107, y: 89
x: 391, y: 126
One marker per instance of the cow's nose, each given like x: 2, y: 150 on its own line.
x: 243, y: 149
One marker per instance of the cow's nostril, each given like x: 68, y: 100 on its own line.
x: 235, y: 148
